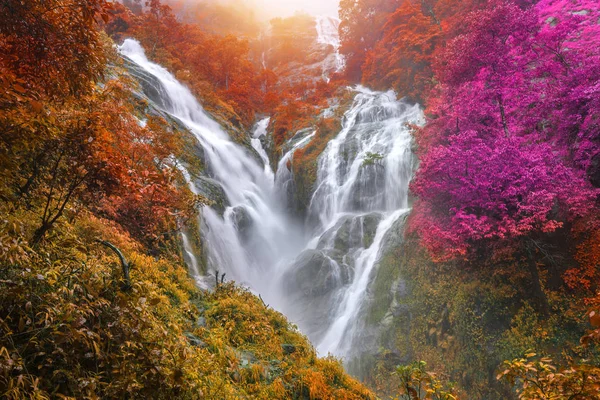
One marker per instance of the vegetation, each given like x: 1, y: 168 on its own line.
x: 464, y: 322
x: 417, y: 383
x: 371, y: 159
x: 539, y: 379
x: 69, y: 329
x: 95, y: 301
x: 506, y: 191
x: 304, y: 162
x: 503, y: 248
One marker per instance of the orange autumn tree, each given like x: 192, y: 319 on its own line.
x: 402, y: 59
x: 584, y: 277
x: 103, y: 157
x: 146, y: 195
x: 49, y: 51
x: 360, y: 29
x: 217, y: 68
x: 411, y: 38
x: 53, y: 45
x: 69, y: 139
x: 50, y: 55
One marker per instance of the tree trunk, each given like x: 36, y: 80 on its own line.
x: 503, y: 116
x: 39, y: 234
x: 538, y: 292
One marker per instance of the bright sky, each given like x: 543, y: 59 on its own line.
x: 284, y: 8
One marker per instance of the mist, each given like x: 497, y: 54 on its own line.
x: 284, y: 8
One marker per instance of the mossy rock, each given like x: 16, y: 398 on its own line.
x: 316, y: 272
x: 213, y: 191
x: 242, y: 221
x: 352, y: 232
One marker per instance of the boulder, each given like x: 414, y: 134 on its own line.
x: 212, y: 190
x: 194, y: 340
x: 242, y: 221
x: 316, y: 273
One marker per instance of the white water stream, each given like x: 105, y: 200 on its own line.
x: 361, y: 194
x: 327, y: 33
x: 248, y: 186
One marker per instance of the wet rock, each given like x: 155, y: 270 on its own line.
x: 313, y: 286
x: 367, y: 192
x: 318, y: 273
x: 151, y: 86
x: 370, y: 225
x: 212, y: 190
x: 242, y: 221
x: 352, y: 233
x: 395, y: 235
x: 246, y: 358
x: 198, y: 151
x: 201, y: 322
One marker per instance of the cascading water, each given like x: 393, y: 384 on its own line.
x: 320, y: 279
x: 361, y: 195
x: 253, y: 234
x: 261, y: 131
x: 327, y: 33
x: 284, y: 179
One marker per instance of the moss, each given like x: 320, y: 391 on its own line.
x: 371, y: 159
x: 464, y: 321
x: 388, y: 273
x: 305, y: 160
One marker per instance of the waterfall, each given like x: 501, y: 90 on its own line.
x: 327, y: 33
x: 284, y: 179
x: 317, y: 274
x: 253, y: 235
x: 261, y: 131
x: 361, y: 196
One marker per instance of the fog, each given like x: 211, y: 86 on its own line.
x: 282, y: 8
x: 267, y: 9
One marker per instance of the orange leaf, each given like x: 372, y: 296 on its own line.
x: 595, y: 319
x: 36, y: 105
x: 19, y: 88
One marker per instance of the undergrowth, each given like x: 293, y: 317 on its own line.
x: 69, y: 329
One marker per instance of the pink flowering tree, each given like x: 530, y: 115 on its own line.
x: 513, y: 130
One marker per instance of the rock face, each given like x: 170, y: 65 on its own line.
x: 313, y: 285
x: 386, y: 311
x: 150, y: 85
x: 351, y: 232
x: 319, y: 277
x: 213, y: 191
x: 317, y: 273
x: 370, y: 178
x: 242, y: 221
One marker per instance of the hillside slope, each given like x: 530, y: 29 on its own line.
x: 71, y: 329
